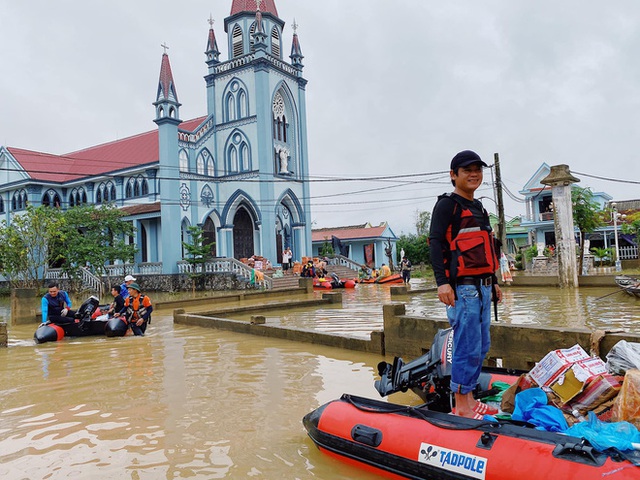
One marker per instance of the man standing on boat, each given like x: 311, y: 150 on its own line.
x: 56, y: 306
x: 464, y: 259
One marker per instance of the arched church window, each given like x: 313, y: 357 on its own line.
x: 128, y: 192
x: 136, y: 188
x: 236, y: 41
x: 1, y: 205
x: 19, y: 200
x: 184, y: 161
x: 52, y: 199
x: 145, y: 187
x: 233, y: 159
x: 99, y: 196
x: 242, y: 104
x: 279, y: 118
x: 211, y: 168
x: 231, y: 108
x: 275, y: 42
x: 244, y: 157
x: 200, y: 165
x: 112, y: 191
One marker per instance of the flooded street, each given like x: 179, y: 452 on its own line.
x: 189, y: 402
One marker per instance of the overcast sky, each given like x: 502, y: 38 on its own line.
x: 396, y: 87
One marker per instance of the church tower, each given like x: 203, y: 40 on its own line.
x: 167, y: 119
x: 257, y: 141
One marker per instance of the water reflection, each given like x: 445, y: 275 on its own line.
x: 187, y: 402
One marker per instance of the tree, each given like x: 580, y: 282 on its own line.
x: 415, y: 248
x: 587, y: 216
x: 423, y: 221
x: 602, y: 253
x: 94, y: 236
x: 326, y: 250
x: 25, y: 244
x: 198, y: 252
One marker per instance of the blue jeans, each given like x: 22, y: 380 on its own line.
x: 470, y: 320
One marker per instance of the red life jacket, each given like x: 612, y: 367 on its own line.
x: 472, y: 244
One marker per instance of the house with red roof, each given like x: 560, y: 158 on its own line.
x: 364, y: 244
x: 239, y: 171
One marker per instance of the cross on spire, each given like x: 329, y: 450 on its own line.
x: 211, y: 20
x: 165, y: 46
x: 258, y: 3
x: 294, y: 26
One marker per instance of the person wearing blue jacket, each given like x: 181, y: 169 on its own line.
x: 56, y: 306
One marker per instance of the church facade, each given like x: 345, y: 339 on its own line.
x: 240, y: 172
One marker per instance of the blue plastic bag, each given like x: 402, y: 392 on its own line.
x: 603, y: 435
x: 531, y: 406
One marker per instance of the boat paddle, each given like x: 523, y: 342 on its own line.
x: 622, y: 289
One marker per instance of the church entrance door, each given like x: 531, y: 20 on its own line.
x: 242, y: 234
x: 209, y: 233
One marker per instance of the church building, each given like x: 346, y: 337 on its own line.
x: 240, y: 171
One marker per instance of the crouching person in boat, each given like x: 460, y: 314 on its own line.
x: 118, y: 302
x: 137, y: 309
x: 56, y: 306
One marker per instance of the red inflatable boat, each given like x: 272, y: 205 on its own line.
x: 416, y: 443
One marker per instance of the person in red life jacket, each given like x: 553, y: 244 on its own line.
x: 137, y: 309
x: 56, y: 306
x: 464, y: 258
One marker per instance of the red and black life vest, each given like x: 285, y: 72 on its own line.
x: 472, y: 243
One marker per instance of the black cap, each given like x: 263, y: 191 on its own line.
x: 464, y: 158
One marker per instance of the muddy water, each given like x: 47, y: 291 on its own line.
x: 186, y: 402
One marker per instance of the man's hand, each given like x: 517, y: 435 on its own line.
x: 498, y: 292
x: 64, y: 312
x: 446, y: 295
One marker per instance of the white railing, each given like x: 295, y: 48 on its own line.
x: 226, y: 265
x: 628, y: 252
x: 345, y: 262
x: 150, y: 268
x: 119, y: 270
x: 91, y: 281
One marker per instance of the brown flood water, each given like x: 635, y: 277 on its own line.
x: 188, y: 402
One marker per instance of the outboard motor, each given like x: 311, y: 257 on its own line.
x: 87, y: 309
x: 429, y: 376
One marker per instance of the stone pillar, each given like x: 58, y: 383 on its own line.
x: 25, y: 306
x: 4, y: 337
x: 560, y: 180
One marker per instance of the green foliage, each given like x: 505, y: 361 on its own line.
x: 587, y: 215
x: 423, y: 221
x: 326, y: 250
x: 198, y: 252
x: 93, y: 236
x: 415, y: 248
x: 603, y: 254
x: 531, y: 252
x: 631, y: 224
x: 24, y: 244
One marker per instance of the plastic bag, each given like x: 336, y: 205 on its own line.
x: 623, y: 356
x: 627, y: 405
x: 531, y: 406
x: 603, y: 435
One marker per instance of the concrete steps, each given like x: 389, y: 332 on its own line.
x: 286, y: 282
x: 341, y: 271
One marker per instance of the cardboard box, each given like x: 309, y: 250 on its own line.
x: 555, y: 363
x: 574, y: 379
x: 567, y: 386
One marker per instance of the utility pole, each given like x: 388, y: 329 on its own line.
x: 502, y: 226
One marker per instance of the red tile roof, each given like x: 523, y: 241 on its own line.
x: 141, y: 149
x: 143, y: 208
x: 166, y: 80
x: 348, y: 233
x: 267, y: 6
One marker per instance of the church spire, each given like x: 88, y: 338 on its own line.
x: 296, y: 52
x: 260, y: 38
x: 239, y: 6
x: 212, y: 53
x: 166, y: 103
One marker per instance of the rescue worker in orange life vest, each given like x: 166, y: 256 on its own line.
x: 464, y: 258
x: 137, y: 310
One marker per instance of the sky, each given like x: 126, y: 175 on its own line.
x: 396, y: 88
